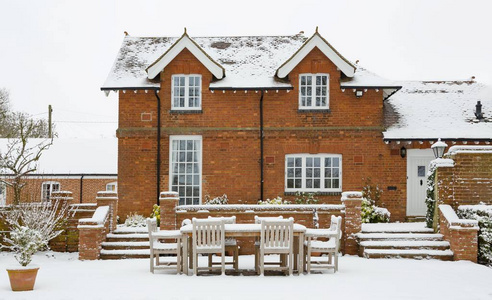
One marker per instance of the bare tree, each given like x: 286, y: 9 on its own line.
x: 21, y: 158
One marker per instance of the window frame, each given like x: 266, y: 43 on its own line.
x: 186, y: 96
x: 313, y: 92
x: 115, y: 184
x: 199, y: 138
x: 51, y: 183
x: 303, y: 177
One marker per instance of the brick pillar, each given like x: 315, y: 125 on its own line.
x: 353, y: 220
x: 169, y: 201
x: 62, y: 197
x: 462, y: 237
x: 90, y: 239
x: 110, y: 199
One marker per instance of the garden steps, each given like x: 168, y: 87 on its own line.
x: 402, y: 240
x: 126, y: 242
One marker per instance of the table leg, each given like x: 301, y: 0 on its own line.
x: 185, y: 255
x: 300, y: 256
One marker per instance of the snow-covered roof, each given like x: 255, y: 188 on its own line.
x: 439, y: 109
x: 76, y: 156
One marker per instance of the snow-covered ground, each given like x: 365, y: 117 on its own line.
x: 63, y: 276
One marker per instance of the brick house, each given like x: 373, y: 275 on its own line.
x: 266, y: 116
x: 82, y: 166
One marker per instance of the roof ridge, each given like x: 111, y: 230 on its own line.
x: 225, y: 36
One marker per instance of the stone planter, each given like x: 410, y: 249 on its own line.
x: 22, y: 278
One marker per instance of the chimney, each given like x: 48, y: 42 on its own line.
x: 478, y: 111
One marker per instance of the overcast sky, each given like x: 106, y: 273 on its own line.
x: 60, y: 52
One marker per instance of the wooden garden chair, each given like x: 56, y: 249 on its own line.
x: 257, y: 244
x: 208, y: 238
x: 230, y: 245
x: 157, y: 247
x: 330, y: 247
x: 277, y: 237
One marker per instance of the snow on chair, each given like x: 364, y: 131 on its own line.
x: 257, y: 245
x: 277, y: 237
x: 230, y: 244
x: 157, y: 247
x: 330, y: 247
x: 208, y: 238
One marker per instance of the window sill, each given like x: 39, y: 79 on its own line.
x: 323, y: 111
x: 317, y: 193
x: 185, y: 112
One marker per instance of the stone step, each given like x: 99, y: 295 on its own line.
x: 399, y: 236
x: 418, y: 227
x: 409, y: 253
x: 125, y: 245
x: 125, y: 254
x: 403, y: 245
x: 127, y: 237
x: 127, y: 230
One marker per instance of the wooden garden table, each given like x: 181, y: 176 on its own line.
x: 243, y: 230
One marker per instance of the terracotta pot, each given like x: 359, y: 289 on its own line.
x: 23, y: 278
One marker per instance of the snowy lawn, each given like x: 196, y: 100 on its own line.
x: 63, y: 276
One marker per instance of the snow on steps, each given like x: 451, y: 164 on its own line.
x: 126, y: 242
x: 402, y: 240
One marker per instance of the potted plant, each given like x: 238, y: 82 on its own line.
x: 32, y: 226
x: 24, y: 242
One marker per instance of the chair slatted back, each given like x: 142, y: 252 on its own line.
x: 208, y: 233
x: 277, y: 233
x: 151, y: 226
x: 259, y: 219
x: 227, y: 220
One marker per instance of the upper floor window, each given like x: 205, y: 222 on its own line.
x: 313, y: 91
x: 186, y: 92
x: 112, y: 187
x: 313, y: 173
x: 47, y: 188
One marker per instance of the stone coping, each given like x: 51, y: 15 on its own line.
x: 258, y: 207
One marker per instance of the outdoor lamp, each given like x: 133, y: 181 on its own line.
x: 438, y: 148
x: 403, y: 152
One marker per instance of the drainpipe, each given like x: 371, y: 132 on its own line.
x: 81, y: 188
x: 262, y: 135
x: 158, y: 163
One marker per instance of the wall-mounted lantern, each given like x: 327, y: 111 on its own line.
x: 438, y: 148
x: 403, y: 152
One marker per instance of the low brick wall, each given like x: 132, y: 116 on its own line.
x: 461, y: 234
x: 92, y: 232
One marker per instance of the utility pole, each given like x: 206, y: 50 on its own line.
x: 50, y: 111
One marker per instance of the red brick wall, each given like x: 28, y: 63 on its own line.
x: 229, y: 125
x: 32, y: 190
x: 468, y: 182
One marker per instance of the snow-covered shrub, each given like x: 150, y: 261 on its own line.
x: 305, y: 198
x: 25, y: 242
x: 156, y: 213
x: 369, y: 211
x: 32, y: 226
x: 483, y: 214
x: 275, y: 201
x: 221, y: 200
x: 134, y: 220
x: 430, y: 201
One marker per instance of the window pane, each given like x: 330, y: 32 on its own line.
x: 290, y: 183
x: 309, y: 162
x: 298, y: 183
x: 316, y: 183
x: 290, y: 162
x: 298, y: 162
x: 327, y: 184
x: 298, y: 172
x: 309, y: 80
x: 317, y: 162
x: 336, y: 183
x: 309, y: 172
x: 336, y: 162
x: 290, y: 173
x: 303, y: 80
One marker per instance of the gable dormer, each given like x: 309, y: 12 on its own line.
x: 185, y: 42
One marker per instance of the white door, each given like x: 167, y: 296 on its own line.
x: 417, y: 167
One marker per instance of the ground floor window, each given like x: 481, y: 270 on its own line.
x: 185, y: 168
x: 47, y: 188
x: 112, y: 187
x: 313, y: 173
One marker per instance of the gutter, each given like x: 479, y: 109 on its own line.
x: 81, y: 188
x: 158, y: 163
x: 262, y: 136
